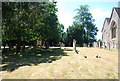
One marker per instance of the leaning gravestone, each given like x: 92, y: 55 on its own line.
x: 74, y: 44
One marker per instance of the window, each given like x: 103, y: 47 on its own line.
x: 113, y: 30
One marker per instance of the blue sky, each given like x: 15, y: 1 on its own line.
x: 100, y: 9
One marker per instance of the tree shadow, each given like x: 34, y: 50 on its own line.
x: 11, y: 61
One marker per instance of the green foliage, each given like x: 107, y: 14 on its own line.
x: 74, y: 32
x: 99, y: 40
x: 61, y: 28
x: 83, y: 28
x: 27, y: 22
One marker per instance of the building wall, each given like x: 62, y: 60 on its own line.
x: 108, y: 41
x: 118, y: 36
x: 105, y: 34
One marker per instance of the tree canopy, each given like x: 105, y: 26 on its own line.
x: 26, y: 22
x: 83, y: 28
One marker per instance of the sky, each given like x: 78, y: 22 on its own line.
x: 100, y: 9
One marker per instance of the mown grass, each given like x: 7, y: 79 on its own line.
x: 12, y: 61
x: 58, y: 64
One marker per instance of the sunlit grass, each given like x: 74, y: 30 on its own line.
x: 58, y: 64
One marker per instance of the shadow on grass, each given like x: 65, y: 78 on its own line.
x: 11, y: 61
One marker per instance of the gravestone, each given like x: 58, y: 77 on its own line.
x: 95, y: 44
x: 99, y: 44
x: 74, y: 44
x: 39, y: 42
x: 84, y: 45
x: 60, y: 44
x: 89, y: 45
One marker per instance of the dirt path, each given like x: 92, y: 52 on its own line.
x: 73, y: 66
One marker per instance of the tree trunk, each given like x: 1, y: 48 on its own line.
x: 18, y: 46
x: 87, y: 40
x: 23, y: 48
x: 4, y: 47
x: 47, y: 44
x: 10, y: 47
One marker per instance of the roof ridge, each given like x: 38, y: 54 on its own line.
x: 118, y: 11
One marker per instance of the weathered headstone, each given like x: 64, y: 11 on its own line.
x: 84, y: 45
x: 89, y: 45
x: 95, y: 44
x: 74, y: 44
x: 103, y: 45
x: 60, y: 44
x: 39, y: 42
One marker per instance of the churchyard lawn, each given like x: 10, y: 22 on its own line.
x: 59, y: 64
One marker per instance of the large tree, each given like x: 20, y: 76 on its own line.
x: 84, y: 17
x: 74, y: 32
x: 27, y: 22
x: 83, y: 29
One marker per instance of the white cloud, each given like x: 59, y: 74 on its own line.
x: 66, y: 19
x: 99, y: 13
x: 64, y: 14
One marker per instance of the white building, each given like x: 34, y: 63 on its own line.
x: 110, y: 30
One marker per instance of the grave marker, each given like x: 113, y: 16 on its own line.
x: 74, y: 44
